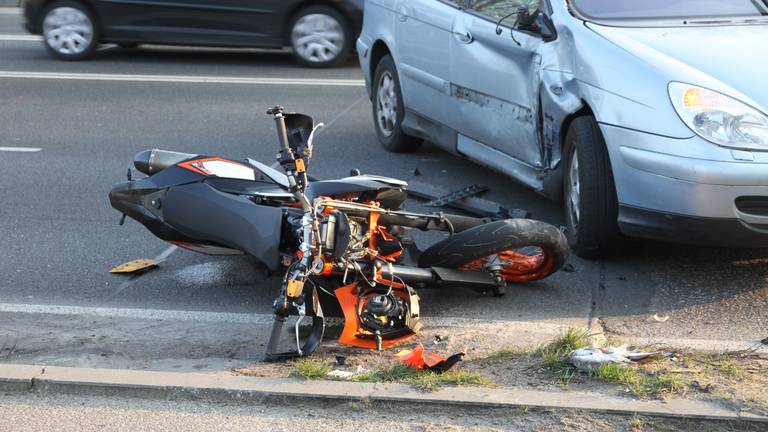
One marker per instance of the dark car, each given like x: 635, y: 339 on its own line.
x: 321, y: 33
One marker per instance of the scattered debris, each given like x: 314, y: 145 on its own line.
x: 590, y: 359
x: 764, y: 341
x: 136, y: 266
x: 416, y: 172
x: 452, y: 197
x: 420, y: 359
x: 439, y: 339
x: 341, y: 360
x: 473, y: 205
x: 659, y: 318
x: 568, y: 268
x: 341, y: 374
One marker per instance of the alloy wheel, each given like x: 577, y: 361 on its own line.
x: 574, y: 190
x: 318, y: 38
x: 386, y: 104
x: 68, y: 31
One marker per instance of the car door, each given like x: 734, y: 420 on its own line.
x: 495, y: 79
x: 423, y: 29
x: 224, y: 22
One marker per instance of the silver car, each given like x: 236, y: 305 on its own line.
x: 647, y: 117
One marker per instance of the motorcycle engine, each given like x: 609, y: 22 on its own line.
x: 389, y: 314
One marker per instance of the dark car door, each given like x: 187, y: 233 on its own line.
x: 204, y: 22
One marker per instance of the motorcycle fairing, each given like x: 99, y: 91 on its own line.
x: 390, y: 193
x: 200, y: 211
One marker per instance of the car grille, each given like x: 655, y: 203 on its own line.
x: 756, y: 206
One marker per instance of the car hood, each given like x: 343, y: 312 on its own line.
x: 729, y: 59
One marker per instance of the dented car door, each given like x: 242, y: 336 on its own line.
x: 495, y: 74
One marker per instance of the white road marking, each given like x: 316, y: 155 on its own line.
x: 10, y: 11
x: 239, y: 318
x: 184, y: 79
x: 20, y: 38
x: 20, y: 149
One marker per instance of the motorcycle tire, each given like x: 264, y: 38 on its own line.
x: 527, y: 250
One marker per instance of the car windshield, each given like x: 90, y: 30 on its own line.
x: 670, y: 9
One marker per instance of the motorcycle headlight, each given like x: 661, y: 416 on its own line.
x: 720, y: 119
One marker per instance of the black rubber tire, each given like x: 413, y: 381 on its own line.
x: 348, y: 38
x: 398, y: 141
x: 596, y: 234
x: 494, y: 237
x: 96, y: 33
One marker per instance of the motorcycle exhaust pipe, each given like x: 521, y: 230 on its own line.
x: 153, y: 161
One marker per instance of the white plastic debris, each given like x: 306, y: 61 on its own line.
x: 345, y: 375
x: 590, y: 359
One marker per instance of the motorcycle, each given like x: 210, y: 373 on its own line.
x: 343, y: 242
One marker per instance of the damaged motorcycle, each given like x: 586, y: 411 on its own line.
x: 342, y: 241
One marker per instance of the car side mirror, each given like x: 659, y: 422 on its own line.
x: 546, y: 27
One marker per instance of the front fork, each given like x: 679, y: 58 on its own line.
x: 298, y: 299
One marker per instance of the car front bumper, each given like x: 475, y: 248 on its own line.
x: 688, y: 190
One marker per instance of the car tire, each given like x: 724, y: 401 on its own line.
x: 591, y: 205
x: 69, y: 30
x: 320, y: 37
x: 389, y: 110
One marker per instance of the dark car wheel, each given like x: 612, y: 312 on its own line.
x: 69, y: 30
x: 320, y: 37
x: 388, y: 109
x: 591, y: 206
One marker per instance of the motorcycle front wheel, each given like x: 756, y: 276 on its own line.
x: 521, y: 250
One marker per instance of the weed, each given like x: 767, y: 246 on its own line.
x: 503, y: 355
x: 637, y: 423
x: 555, y: 355
x: 425, y: 380
x: 311, y: 369
x: 641, y: 385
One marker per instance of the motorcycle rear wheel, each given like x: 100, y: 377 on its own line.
x: 524, y: 250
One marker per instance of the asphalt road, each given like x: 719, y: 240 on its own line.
x: 59, y: 236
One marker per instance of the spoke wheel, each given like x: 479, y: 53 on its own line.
x: 69, y: 31
x: 319, y: 37
x: 386, y: 104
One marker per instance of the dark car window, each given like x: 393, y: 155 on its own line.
x: 669, y: 9
x: 498, y: 9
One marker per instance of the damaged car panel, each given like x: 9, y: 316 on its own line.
x: 585, y: 100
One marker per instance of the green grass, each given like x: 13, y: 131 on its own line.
x: 425, y: 380
x: 640, y: 384
x: 555, y: 354
x: 311, y: 369
x: 503, y: 355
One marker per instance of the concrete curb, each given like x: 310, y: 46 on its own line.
x: 112, y: 382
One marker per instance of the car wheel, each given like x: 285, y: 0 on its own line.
x: 69, y: 30
x: 320, y: 37
x: 388, y: 109
x: 591, y: 206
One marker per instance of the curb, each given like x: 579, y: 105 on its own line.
x: 146, y: 384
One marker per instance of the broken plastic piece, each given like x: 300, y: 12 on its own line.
x: 420, y: 359
x: 135, y: 266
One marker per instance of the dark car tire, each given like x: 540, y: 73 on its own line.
x: 70, y: 44
x: 328, y: 52
x: 591, y: 205
x: 387, y: 103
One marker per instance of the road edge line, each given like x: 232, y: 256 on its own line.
x: 217, y: 387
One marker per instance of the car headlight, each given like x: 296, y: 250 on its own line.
x: 720, y: 119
